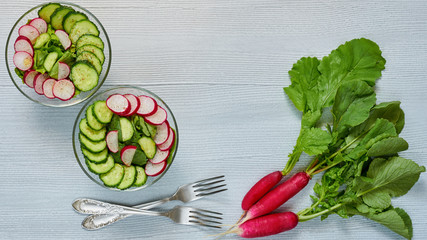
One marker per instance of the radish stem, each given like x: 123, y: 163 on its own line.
x: 303, y: 218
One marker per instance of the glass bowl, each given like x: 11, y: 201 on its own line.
x: 103, y: 96
x: 29, y: 92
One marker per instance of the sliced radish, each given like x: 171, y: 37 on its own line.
x: 160, y: 156
x: 39, y: 24
x: 23, y: 44
x: 23, y: 60
x: 118, y: 104
x: 64, y: 89
x: 134, y: 104
x: 48, y: 88
x: 154, y: 169
x: 29, y: 77
x: 147, y: 107
x: 159, y: 117
x: 127, y: 153
x: 38, y: 82
x: 168, y: 144
x: 63, y: 38
x: 63, y: 70
x: 30, y: 32
x: 112, y: 140
x: 162, y: 133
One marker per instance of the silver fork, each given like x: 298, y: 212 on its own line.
x: 186, y: 193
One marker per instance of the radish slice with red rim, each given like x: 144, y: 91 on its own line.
x: 64, y: 89
x: 160, y: 156
x: 38, y: 83
x: 48, y: 88
x: 63, y: 38
x: 127, y: 153
x: 159, y: 117
x: 112, y: 140
x: 39, y: 24
x: 63, y: 70
x: 30, y: 32
x: 118, y: 104
x: 169, y: 142
x: 134, y: 103
x: 147, y: 107
x: 162, y: 133
x: 154, y: 169
x: 29, y: 77
x: 23, y: 44
x: 23, y: 61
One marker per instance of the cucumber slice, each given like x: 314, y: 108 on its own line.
x: 71, y: 18
x: 128, y: 178
x: 100, y: 157
x: 126, y: 129
x: 148, y: 146
x: 57, y: 17
x: 90, y: 133
x: 42, y: 40
x: 100, y: 168
x: 83, y: 27
x: 90, y: 39
x: 92, y: 58
x: 50, y: 60
x: 94, y: 147
x: 47, y: 10
x: 141, y: 177
x: 84, y: 76
x: 113, y: 177
x: 101, y: 112
x: 93, y: 49
x: 91, y: 120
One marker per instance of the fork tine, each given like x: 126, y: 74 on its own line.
x: 207, y: 183
x: 204, y: 215
x: 205, y: 220
x: 209, y: 179
x: 208, y: 189
x: 195, y: 222
x: 210, y: 193
x: 197, y: 210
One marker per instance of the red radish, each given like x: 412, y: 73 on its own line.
x: 162, y: 133
x: 169, y: 142
x: 127, y: 153
x: 38, y: 82
x: 30, y: 32
x: 63, y: 38
x: 64, y: 89
x: 148, y: 106
x: 29, y: 77
x: 160, y: 156
x: 112, y: 140
x: 23, y: 44
x: 134, y: 103
x: 63, y: 70
x: 39, y: 24
x: 153, y: 170
x: 23, y: 60
x: 159, y: 117
x: 260, y: 189
x: 118, y: 104
x: 48, y: 88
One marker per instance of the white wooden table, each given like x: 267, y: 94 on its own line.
x: 221, y: 66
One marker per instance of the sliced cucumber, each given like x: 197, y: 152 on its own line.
x: 100, y: 168
x: 90, y: 133
x: 93, y: 49
x: 84, y: 76
x: 128, y: 178
x: 57, y: 17
x: 101, y: 112
x: 113, y: 177
x: 71, y: 18
x: 83, y: 27
x: 42, y: 40
x: 141, y: 177
x: 148, y: 146
x: 91, y: 120
x: 92, y: 146
x: 100, y: 157
x: 47, y: 10
x: 50, y: 60
x: 126, y: 129
x: 92, y: 58
x: 90, y: 39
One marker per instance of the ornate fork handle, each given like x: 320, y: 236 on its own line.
x: 91, y: 206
